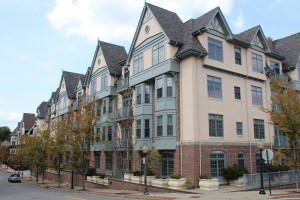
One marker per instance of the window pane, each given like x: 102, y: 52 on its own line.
x: 138, y: 63
x: 138, y: 95
x: 239, y: 128
x: 259, y: 129
x: 159, y: 88
x: 215, y: 125
x: 241, y: 159
x: 217, y: 164
x: 138, y: 128
x: 109, y: 133
x: 256, y: 95
x: 257, y: 64
x: 215, y: 49
x: 170, y: 125
x: 167, y: 165
x: 159, y: 125
x: 214, y: 87
x: 169, y: 87
x: 238, y: 56
x: 147, y: 128
x: 158, y: 53
x: 237, y: 92
x: 147, y: 94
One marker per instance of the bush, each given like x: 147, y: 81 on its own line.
x: 137, y: 173
x: 205, y: 177
x: 175, y: 176
x: 234, y: 172
x: 276, y: 168
x: 91, y: 171
x: 101, y: 175
x: 188, y: 184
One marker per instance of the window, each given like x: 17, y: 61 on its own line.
x: 257, y: 64
x: 159, y: 125
x: 147, y: 94
x: 256, y: 96
x: 97, y: 159
x: 215, y: 49
x: 109, y: 133
x: 103, y: 133
x: 108, y: 163
x: 275, y: 68
x: 138, y: 128
x: 65, y: 101
x: 110, y: 105
x: 214, y: 87
x: 217, y: 164
x: 104, y: 106
x: 237, y: 93
x: 241, y: 159
x: 98, y: 131
x: 215, y: 125
x: 147, y: 128
x: 104, y: 81
x: 170, y: 125
x: 258, y: 160
x: 159, y: 88
x: 93, y: 86
x: 237, y: 55
x: 138, y: 63
x: 259, y: 128
x: 158, y: 53
x: 138, y: 95
x: 169, y: 87
x: 239, y: 128
x: 167, y: 165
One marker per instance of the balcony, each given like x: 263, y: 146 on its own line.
x: 281, y: 141
x: 124, y: 114
x: 122, y: 84
x: 63, y: 110
x: 169, y: 65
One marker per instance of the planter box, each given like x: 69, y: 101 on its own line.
x: 149, y: 179
x: 136, y: 179
x: 209, y: 184
x: 99, y: 180
x: 160, y: 182
x: 237, y: 182
x: 177, y: 183
x: 127, y: 177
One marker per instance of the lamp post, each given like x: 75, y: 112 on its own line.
x: 260, y: 146
x: 145, y: 150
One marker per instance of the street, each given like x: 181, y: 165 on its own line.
x: 28, y: 191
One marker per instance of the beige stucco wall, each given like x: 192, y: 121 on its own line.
x: 196, y: 105
x: 97, y: 65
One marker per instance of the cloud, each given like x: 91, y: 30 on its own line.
x: 275, y: 4
x: 239, y: 23
x: 117, y: 20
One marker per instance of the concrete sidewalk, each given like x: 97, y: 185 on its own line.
x: 225, y: 192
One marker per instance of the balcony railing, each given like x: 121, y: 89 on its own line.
x: 122, y: 84
x: 281, y: 141
x: 124, y: 113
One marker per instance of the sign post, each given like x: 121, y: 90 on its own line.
x: 267, y: 155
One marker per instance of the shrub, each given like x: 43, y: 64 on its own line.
x: 188, y: 184
x: 101, y: 175
x: 137, y: 173
x: 175, y: 176
x: 234, y: 172
x: 276, y: 168
x: 91, y: 171
x: 205, y: 177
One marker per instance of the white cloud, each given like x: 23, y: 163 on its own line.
x: 117, y: 20
x: 239, y: 23
x: 10, y: 116
x: 275, y: 4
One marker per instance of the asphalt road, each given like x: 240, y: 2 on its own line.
x: 28, y: 191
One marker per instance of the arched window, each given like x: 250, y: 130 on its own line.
x: 217, y: 163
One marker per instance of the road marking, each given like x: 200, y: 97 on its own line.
x: 76, y: 198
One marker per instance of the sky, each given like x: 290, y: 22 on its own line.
x: 40, y: 38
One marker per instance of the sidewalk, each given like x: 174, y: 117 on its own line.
x: 225, y: 192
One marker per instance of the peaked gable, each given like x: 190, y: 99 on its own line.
x: 169, y: 23
x: 68, y: 81
x: 254, y: 37
x: 211, y: 21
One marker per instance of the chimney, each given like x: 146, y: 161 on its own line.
x: 270, y: 43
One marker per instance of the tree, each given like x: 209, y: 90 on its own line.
x: 285, y: 115
x: 80, y: 137
x: 4, y: 133
x: 58, y: 144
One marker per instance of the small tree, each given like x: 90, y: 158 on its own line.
x: 4, y: 133
x: 80, y: 137
x: 285, y: 114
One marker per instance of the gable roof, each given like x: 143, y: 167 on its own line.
x: 191, y: 45
x: 289, y: 47
x: 113, y: 55
x: 70, y: 82
x: 169, y: 22
x: 28, y: 120
x: 43, y: 110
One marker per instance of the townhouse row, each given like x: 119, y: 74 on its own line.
x: 190, y: 90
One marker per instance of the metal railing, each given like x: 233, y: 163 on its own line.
x: 252, y: 181
x: 124, y: 113
x: 122, y: 84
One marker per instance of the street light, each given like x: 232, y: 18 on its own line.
x: 260, y: 146
x: 145, y: 150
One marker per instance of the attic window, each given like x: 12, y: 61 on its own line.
x: 147, y: 29
x: 99, y: 61
x: 62, y: 85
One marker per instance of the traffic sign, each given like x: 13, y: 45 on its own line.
x: 267, y: 154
